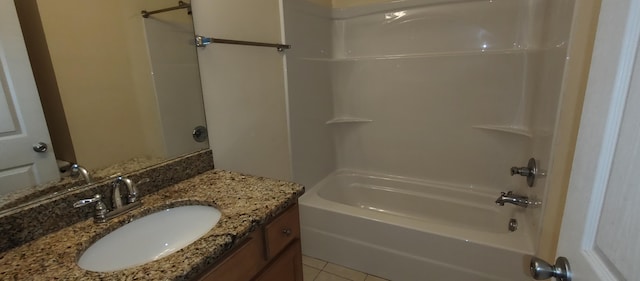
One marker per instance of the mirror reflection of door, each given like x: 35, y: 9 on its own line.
x: 22, y: 123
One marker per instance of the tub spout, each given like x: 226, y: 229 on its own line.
x: 518, y: 200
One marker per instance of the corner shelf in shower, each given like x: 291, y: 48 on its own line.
x: 522, y: 131
x: 345, y: 120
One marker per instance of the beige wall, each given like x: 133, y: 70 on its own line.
x: 574, y: 85
x: 45, y: 79
x: 141, y: 72
x: 244, y: 91
x: 101, y: 79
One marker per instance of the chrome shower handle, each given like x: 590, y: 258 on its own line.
x: 523, y: 171
x: 530, y: 171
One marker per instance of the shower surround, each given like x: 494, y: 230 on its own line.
x: 440, y: 96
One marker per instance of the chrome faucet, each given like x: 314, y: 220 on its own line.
x: 116, y: 198
x: 518, y: 200
x: 77, y: 170
x: 102, y: 214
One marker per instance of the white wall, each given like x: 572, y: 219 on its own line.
x: 244, y: 89
x: 310, y: 94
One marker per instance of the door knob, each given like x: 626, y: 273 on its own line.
x: 542, y: 270
x: 40, y: 147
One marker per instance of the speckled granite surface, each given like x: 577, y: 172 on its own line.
x: 32, y: 221
x: 244, y: 201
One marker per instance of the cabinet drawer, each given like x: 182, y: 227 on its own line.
x: 242, y: 264
x: 281, y: 231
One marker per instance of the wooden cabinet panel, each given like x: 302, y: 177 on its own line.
x: 242, y: 264
x: 272, y: 253
x: 287, y: 267
x: 281, y: 231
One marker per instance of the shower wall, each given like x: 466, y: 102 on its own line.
x: 456, y: 91
x: 308, y: 27
x: 437, y: 90
x: 549, y: 80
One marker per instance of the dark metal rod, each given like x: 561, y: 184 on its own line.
x: 250, y: 43
x: 181, y: 5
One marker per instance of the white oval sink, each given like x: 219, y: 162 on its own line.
x: 149, y: 238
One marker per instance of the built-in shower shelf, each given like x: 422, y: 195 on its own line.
x: 344, y: 120
x: 523, y: 131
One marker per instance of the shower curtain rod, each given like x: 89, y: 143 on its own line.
x: 181, y: 5
x: 202, y: 41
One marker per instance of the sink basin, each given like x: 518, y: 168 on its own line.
x: 149, y: 238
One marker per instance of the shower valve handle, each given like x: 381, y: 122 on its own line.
x: 523, y: 171
x: 530, y: 171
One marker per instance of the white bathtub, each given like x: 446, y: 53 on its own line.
x: 410, y: 230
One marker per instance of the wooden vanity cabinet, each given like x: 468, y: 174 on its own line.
x: 271, y: 253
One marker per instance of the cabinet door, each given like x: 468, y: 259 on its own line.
x: 287, y: 267
x: 282, y: 231
x: 242, y: 264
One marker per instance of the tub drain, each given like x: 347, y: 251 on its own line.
x: 513, y: 225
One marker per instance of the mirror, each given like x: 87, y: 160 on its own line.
x: 119, y: 92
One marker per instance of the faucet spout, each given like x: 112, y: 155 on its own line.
x: 77, y: 170
x: 132, y: 191
x: 116, y: 198
x: 518, y: 200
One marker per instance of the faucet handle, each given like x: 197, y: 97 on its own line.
x: 101, y: 208
x: 84, y: 202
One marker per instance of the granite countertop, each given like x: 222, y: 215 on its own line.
x: 244, y: 201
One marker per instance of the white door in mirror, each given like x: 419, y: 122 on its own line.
x: 26, y: 157
x: 150, y: 238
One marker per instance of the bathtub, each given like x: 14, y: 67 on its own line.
x: 411, y: 230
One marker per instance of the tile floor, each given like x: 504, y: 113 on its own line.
x: 319, y: 270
